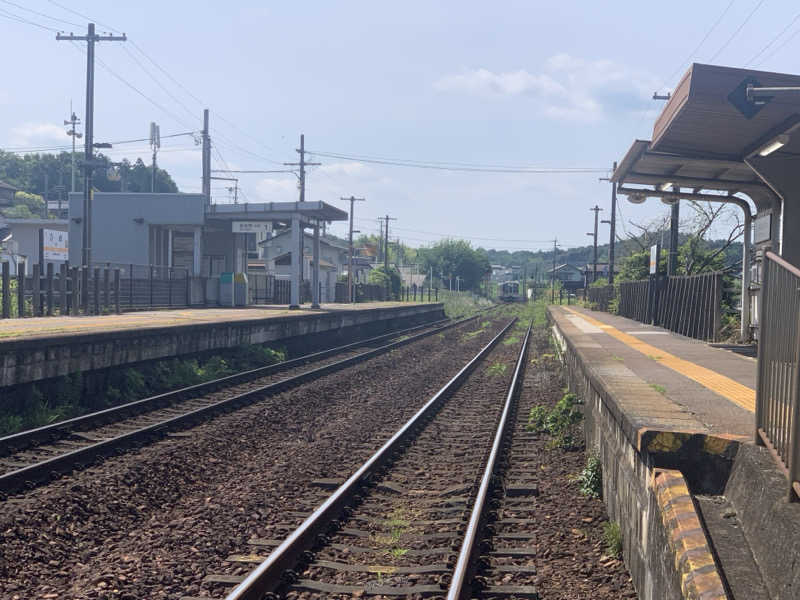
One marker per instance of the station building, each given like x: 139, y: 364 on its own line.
x: 185, y: 231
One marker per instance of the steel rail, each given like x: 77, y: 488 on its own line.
x: 48, y: 433
x: 269, y: 575
x: 57, y: 465
x: 462, y: 574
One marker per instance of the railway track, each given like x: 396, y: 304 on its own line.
x: 32, y: 457
x: 410, y: 521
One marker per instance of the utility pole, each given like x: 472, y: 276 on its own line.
x: 596, y: 211
x: 672, y: 265
x: 612, y: 225
x: 155, y: 142
x: 206, y: 160
x: 386, y: 220
x: 90, y: 38
x: 302, y: 164
x: 553, y: 276
x: 352, y: 200
x: 302, y: 185
x: 73, y: 121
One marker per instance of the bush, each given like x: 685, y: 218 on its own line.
x: 558, y: 421
x: 591, y: 478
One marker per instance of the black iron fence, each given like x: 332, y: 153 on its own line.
x: 689, y: 305
x: 98, y: 289
x: 777, y: 421
x: 599, y: 297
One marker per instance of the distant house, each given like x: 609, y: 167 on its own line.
x: 602, y: 271
x: 570, y: 276
x: 7, y: 194
x: 276, y: 259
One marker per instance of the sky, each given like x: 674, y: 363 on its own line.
x: 522, y: 84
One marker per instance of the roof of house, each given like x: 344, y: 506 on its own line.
x: 322, y: 240
x: 564, y: 266
x: 7, y: 186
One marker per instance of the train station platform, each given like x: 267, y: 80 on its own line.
x: 40, y: 348
x: 662, y: 380
x: 672, y: 421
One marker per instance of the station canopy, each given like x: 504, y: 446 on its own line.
x: 276, y: 212
x: 711, y: 137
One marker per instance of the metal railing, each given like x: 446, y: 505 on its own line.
x: 634, y: 300
x: 777, y: 421
x: 690, y: 305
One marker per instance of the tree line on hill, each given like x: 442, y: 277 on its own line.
x: 31, y: 172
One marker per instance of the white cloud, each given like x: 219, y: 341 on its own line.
x: 38, y: 133
x: 568, y: 87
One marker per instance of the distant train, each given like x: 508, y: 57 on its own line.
x: 510, y: 292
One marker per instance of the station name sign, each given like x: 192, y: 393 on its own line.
x: 55, y: 244
x: 252, y: 226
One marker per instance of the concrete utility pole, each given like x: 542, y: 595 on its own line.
x: 73, y: 121
x: 386, y: 220
x: 155, y: 142
x: 352, y: 200
x: 302, y: 185
x: 302, y: 164
x: 596, y: 211
x: 612, y: 225
x: 553, y: 276
x: 90, y: 38
x: 206, y: 159
x: 672, y: 265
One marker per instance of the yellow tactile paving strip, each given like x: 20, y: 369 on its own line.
x: 739, y: 394
x: 686, y: 538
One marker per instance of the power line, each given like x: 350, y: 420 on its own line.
x: 442, y: 166
x: 82, y: 16
x: 779, y: 48
x: 738, y: 29
x: 19, y: 19
x: 46, y: 16
x: 773, y: 40
x: 703, y: 41
x: 159, y: 84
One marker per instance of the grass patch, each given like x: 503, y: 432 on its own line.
x: 652, y: 357
x: 619, y: 358
x: 558, y: 421
x: 659, y: 388
x: 68, y: 396
x: 497, y: 369
x: 612, y: 538
x: 513, y: 339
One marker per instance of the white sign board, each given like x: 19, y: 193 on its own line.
x: 653, y: 259
x: 252, y: 226
x: 55, y: 245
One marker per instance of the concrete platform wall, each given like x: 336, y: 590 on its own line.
x: 654, y: 546
x: 29, y: 360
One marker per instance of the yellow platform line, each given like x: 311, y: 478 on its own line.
x: 739, y: 394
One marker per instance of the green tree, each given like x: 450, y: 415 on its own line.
x: 390, y: 278
x: 456, y: 258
